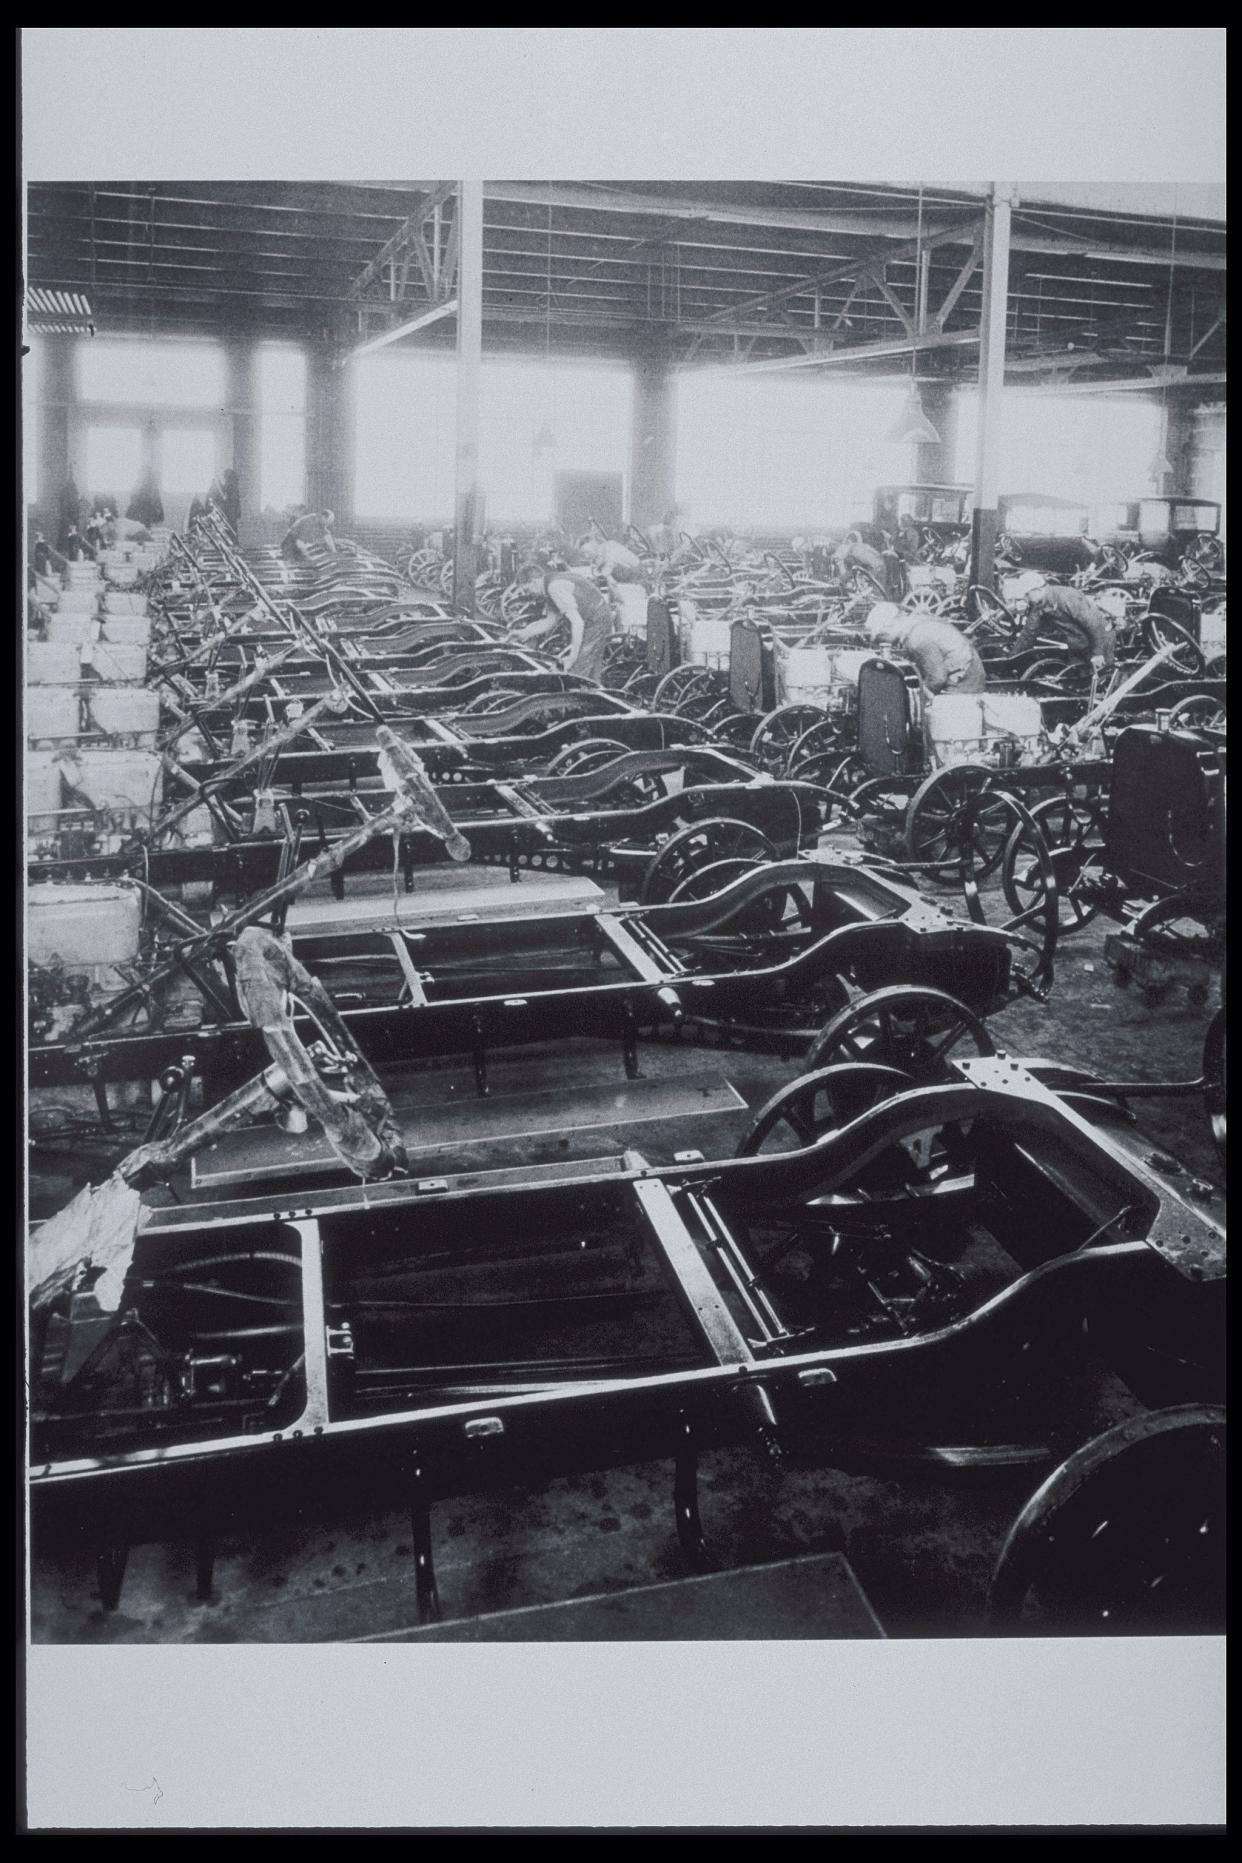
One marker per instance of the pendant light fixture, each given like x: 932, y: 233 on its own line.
x: 913, y: 427
x: 1162, y: 465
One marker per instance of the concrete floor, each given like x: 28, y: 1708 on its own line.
x: 921, y: 1543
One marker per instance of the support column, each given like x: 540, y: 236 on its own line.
x: 653, y: 440
x: 1177, y: 440
x: 55, y: 395
x: 935, y: 461
x: 997, y: 216
x: 244, y: 412
x: 330, y: 410
x: 468, y: 498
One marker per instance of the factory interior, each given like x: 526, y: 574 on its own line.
x: 624, y: 910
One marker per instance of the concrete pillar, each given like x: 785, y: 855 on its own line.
x: 242, y: 363
x: 1178, y: 441
x: 935, y: 462
x: 997, y: 215
x: 57, y: 395
x: 468, y: 498
x: 653, y: 439
x: 330, y: 412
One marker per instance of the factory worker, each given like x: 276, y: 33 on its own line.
x: 854, y: 552
x: 663, y: 536
x: 945, y: 659
x: 568, y: 593
x: 614, y: 561
x: 1070, y: 615
x: 308, y: 537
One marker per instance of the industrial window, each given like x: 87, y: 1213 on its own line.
x: 112, y: 464
x: 187, y: 460
x: 32, y: 385
x: 282, y: 426
x: 151, y: 374
x: 1093, y: 447
x: 765, y: 454
x: 537, y: 419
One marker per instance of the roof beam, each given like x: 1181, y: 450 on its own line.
x: 827, y: 355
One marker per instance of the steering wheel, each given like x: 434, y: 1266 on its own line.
x: 332, y: 1081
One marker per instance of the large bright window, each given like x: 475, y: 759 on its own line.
x: 188, y: 460
x: 112, y: 465
x: 1090, y: 447
x: 282, y: 426
x: 151, y: 374
x: 536, y: 419
x: 32, y: 382
x: 762, y: 453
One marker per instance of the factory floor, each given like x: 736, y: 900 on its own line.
x: 921, y: 1542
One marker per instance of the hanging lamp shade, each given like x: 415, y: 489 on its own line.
x: 914, y: 428
x: 544, y: 441
x: 1160, y: 465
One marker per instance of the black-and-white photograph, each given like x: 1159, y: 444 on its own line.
x: 624, y: 909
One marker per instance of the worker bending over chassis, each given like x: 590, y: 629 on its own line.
x: 571, y: 596
x: 1069, y: 615
x: 943, y: 657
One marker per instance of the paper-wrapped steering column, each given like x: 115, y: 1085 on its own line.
x: 361, y: 1130
x: 403, y: 773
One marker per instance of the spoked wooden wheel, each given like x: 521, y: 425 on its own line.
x: 1214, y: 1079
x: 733, y: 731
x: 1126, y: 1537
x: 775, y: 736
x: 820, y: 1101
x: 589, y: 753
x: 1056, y: 673
x: 1215, y: 668
x: 682, y: 684
x: 1198, y: 714
x: 1070, y: 831
x: 904, y: 1026
x: 821, y: 738
x: 1186, y: 657
x: 640, y: 687
x: 698, y: 845
x: 959, y: 806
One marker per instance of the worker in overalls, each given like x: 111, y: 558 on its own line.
x: 885, y: 569
x: 944, y: 658
x: 571, y: 596
x: 1067, y: 614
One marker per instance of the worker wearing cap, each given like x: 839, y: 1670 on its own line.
x: 570, y: 595
x: 308, y: 537
x: 943, y: 656
x: 1066, y: 612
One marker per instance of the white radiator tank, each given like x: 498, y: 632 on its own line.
x: 79, y: 598
x: 124, y: 711
x: 119, y: 602
x: 128, y: 783
x: 43, y: 791
x: 52, y: 712
x: 816, y: 675
x: 134, y: 629
x: 120, y: 662
x: 73, y: 624
x: 704, y: 639
x: 52, y: 663
x: 88, y: 929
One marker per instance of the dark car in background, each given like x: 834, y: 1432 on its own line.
x: 943, y: 511
x: 1172, y: 530
x: 1055, y: 535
